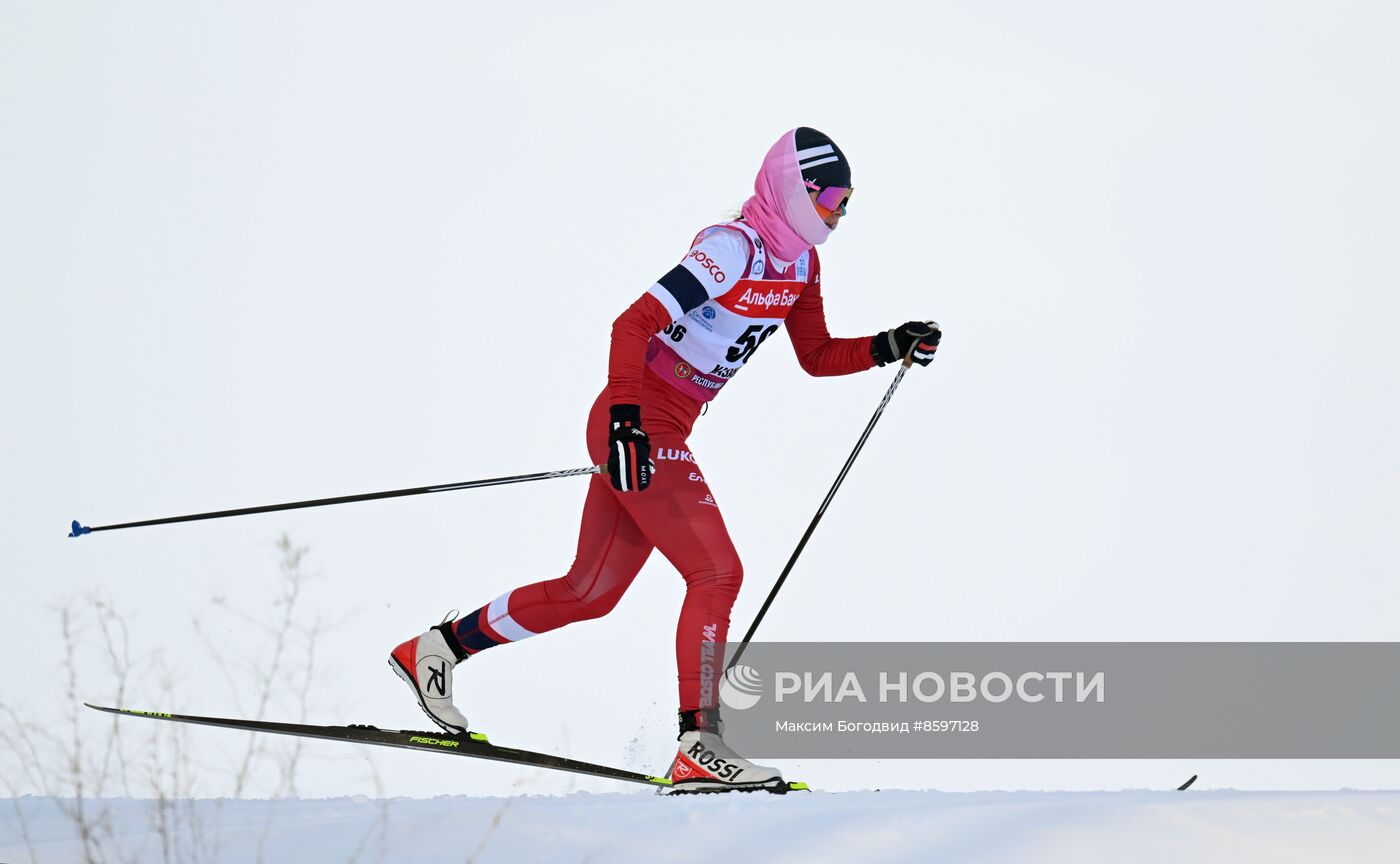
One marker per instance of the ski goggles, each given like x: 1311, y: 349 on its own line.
x: 833, y: 199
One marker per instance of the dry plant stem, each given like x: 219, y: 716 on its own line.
x: 292, y: 582
x: 77, y: 810
x: 116, y: 645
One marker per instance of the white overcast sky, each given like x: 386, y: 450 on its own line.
x: 262, y: 251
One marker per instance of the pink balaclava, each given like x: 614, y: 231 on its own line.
x: 780, y: 209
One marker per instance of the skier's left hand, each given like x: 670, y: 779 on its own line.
x: 629, y: 450
x: 921, y: 337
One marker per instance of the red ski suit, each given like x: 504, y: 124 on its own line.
x: 677, y: 513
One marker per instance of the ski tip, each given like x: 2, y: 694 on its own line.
x: 79, y: 529
x: 1187, y: 785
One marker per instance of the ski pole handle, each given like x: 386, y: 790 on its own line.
x: 917, y: 344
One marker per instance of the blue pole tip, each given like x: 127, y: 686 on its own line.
x: 79, y: 530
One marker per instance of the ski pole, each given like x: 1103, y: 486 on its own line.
x: 80, y: 529
x: 807, y: 535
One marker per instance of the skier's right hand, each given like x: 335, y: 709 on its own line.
x: 915, y: 340
x: 629, y: 450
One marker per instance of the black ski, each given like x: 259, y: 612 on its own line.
x: 473, y: 744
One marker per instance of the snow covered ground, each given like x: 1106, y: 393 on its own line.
x: 1134, y: 826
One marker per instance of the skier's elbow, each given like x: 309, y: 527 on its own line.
x: 812, y: 364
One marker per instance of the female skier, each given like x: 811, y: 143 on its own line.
x: 672, y: 351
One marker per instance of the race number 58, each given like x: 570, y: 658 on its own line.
x: 748, y: 342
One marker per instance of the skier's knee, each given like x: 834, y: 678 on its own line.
x: 597, y: 606
x: 582, y: 602
x: 723, y: 577
x: 733, y: 577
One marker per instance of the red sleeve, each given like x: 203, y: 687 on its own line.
x: 817, y: 351
x: 627, y: 357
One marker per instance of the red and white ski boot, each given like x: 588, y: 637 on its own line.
x: 425, y: 663
x: 704, y: 763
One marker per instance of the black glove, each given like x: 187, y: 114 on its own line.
x: 629, y: 450
x: 894, y: 344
